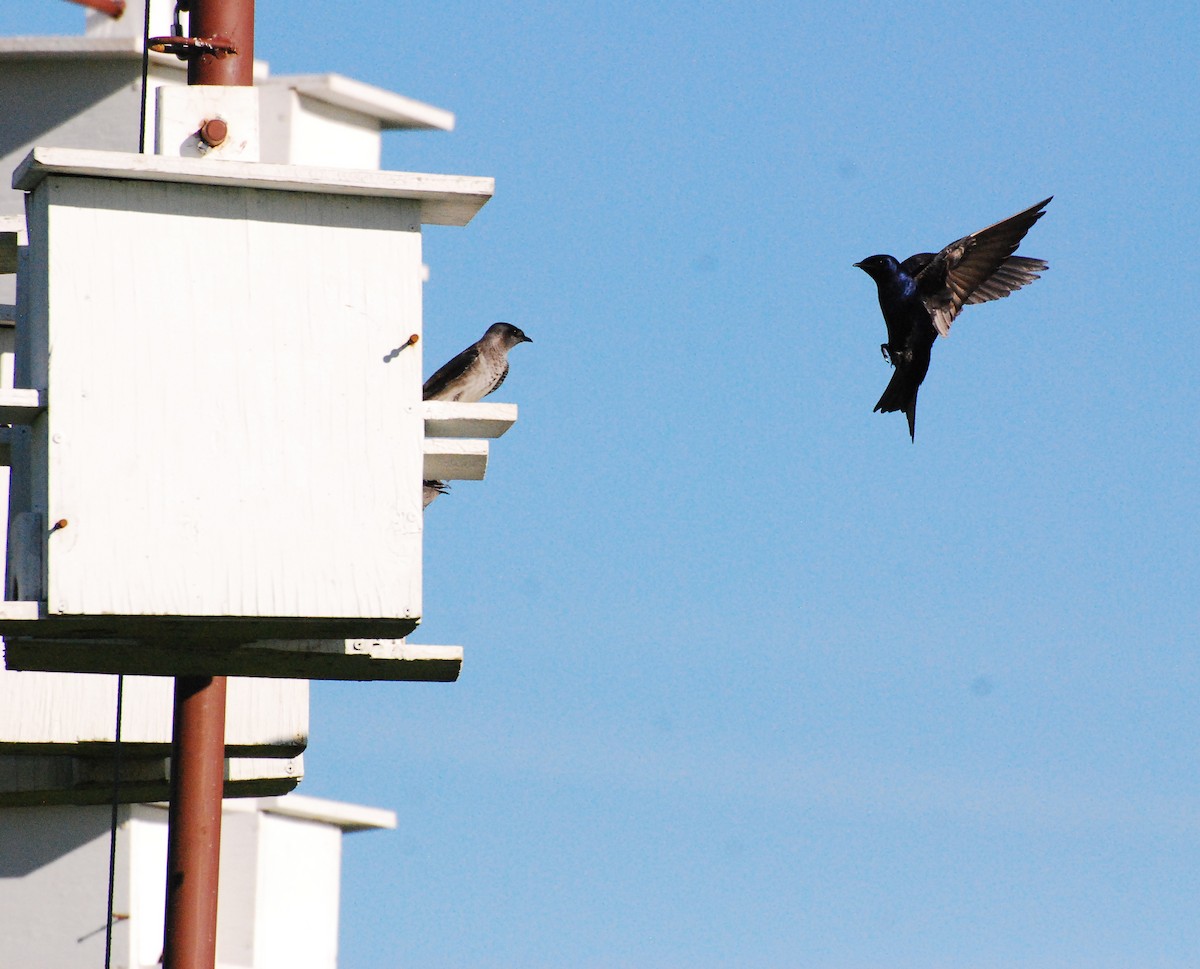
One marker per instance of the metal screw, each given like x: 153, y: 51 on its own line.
x: 213, y: 132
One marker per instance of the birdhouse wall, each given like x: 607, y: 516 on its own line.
x: 229, y: 428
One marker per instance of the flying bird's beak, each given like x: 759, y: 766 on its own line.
x: 857, y: 265
x: 526, y: 339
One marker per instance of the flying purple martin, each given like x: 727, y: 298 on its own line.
x: 470, y: 377
x: 921, y: 296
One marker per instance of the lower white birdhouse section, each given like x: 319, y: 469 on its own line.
x: 280, y: 879
x: 57, y: 737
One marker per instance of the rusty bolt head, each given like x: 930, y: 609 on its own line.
x: 213, y: 132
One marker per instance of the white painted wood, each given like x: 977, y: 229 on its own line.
x: 20, y: 406
x: 444, y: 199
x: 265, y: 461
x: 296, y: 884
x: 82, y: 92
x: 15, y: 223
x: 387, y: 109
x: 180, y: 111
x: 42, y: 710
x: 347, y: 817
x: 129, y: 24
x: 455, y: 459
x: 300, y: 131
x: 59, y: 47
x: 278, y: 906
x: 21, y: 611
x: 316, y: 659
x: 41, y: 779
x: 451, y: 418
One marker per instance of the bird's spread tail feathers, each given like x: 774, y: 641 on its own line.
x: 901, y: 395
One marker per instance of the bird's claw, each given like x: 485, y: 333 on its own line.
x: 884, y: 350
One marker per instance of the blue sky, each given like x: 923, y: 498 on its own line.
x: 750, y: 679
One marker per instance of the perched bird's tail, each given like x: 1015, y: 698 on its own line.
x: 901, y: 394
x: 430, y: 490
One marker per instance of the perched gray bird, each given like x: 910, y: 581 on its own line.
x: 479, y: 369
x: 470, y: 377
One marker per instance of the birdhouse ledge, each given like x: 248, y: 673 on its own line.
x: 444, y: 199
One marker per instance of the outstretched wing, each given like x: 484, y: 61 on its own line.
x: 977, y: 268
x: 1014, y: 272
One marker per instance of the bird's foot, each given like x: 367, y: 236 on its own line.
x: 884, y: 350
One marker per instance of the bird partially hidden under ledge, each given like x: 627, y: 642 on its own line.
x: 921, y: 296
x: 430, y: 489
x: 470, y: 376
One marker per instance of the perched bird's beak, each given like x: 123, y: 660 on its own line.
x: 526, y: 339
x: 857, y: 265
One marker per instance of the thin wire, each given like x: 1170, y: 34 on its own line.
x: 116, y: 792
x: 145, y: 78
x: 112, y: 831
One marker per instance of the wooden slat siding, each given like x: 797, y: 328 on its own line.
x: 241, y: 449
x: 41, y: 711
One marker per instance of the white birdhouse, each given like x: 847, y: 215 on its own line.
x: 223, y: 438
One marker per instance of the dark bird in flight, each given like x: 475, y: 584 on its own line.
x: 921, y: 296
x: 471, y: 376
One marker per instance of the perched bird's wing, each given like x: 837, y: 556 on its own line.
x: 449, y: 373
x: 981, y: 263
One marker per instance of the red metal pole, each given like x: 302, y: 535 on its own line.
x: 198, y: 732
x: 231, y: 20
x: 194, y: 823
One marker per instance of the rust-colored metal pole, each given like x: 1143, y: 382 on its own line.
x: 194, y: 823
x: 198, y: 731
x: 231, y: 20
